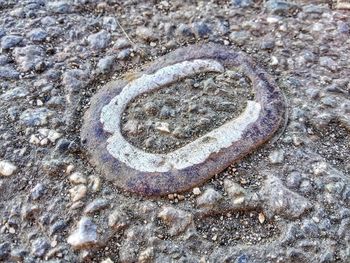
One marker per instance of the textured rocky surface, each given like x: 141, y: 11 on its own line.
x: 286, y: 202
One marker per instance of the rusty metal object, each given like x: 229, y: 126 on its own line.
x: 149, y: 174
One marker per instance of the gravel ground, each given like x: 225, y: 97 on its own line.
x: 289, y: 201
x: 171, y: 117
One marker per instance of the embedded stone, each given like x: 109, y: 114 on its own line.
x: 156, y: 162
x: 85, y: 235
x: 178, y: 220
x: 281, y: 201
x: 342, y: 4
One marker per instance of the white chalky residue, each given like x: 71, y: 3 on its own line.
x: 193, y: 153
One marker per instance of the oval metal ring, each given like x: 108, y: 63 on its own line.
x: 153, y: 174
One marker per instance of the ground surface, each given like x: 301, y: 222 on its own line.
x: 169, y: 118
x: 287, y: 202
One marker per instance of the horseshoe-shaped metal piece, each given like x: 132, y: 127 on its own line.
x: 152, y: 174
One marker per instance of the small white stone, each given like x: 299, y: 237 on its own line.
x: 39, y: 103
x: 163, y: 127
x: 196, y: 191
x: 70, y: 168
x: 54, y: 243
x: 316, y: 219
x: 274, y: 61
x: 320, y: 168
x: 7, y: 168
x: 44, y: 142
x: 43, y: 132
x: 261, y: 218
x: 107, y: 260
x: 53, y: 136
x: 272, y: 20
x: 235, y: 191
x: 276, y: 156
x: 78, y: 192
x: 34, y: 140
x: 77, y: 178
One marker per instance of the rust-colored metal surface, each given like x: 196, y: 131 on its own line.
x: 271, y: 115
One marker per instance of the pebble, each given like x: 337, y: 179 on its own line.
x: 78, y: 192
x: 261, y: 218
x: 94, y: 183
x: 239, y: 38
x: 7, y: 168
x: 57, y: 226
x: 105, y: 64
x: 209, y: 199
x: 40, y: 247
x: 196, y: 191
x: 8, y: 42
x: 7, y: 72
x: 107, y: 260
x: 18, y: 92
x: 293, y: 179
x: 59, y: 7
x: 201, y: 29
x: 110, y: 23
x: 162, y: 127
x: 28, y: 57
x: 178, y: 220
x: 96, y: 205
x: 276, y: 157
x: 146, y: 255
x: 35, y: 117
x: 122, y: 43
x: 38, y: 191
x: 146, y: 34
x: 328, y: 63
x: 243, y: 3
x: 117, y: 220
x: 74, y: 79
x: 99, y: 40
x: 184, y: 30
x: 281, y: 8
x: 37, y: 35
x: 281, y: 201
x: 131, y: 127
x: 53, y: 136
x: 267, y: 44
x: 236, y: 192
x: 77, y: 178
x: 124, y: 54
x: 85, y: 235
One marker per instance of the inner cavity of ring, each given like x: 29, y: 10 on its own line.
x: 166, y: 119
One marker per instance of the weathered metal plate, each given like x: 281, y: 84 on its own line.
x: 154, y: 174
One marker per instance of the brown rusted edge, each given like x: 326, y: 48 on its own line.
x: 157, y: 184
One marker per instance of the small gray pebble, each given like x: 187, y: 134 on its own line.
x: 10, y: 41
x: 37, y: 35
x: 99, y: 40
